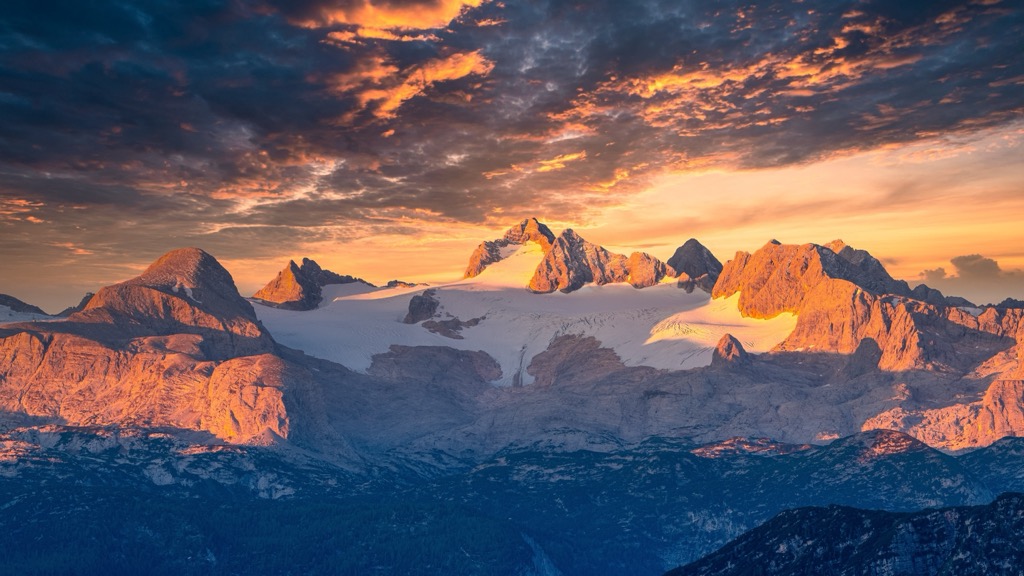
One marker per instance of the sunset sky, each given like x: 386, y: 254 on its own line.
x: 386, y: 139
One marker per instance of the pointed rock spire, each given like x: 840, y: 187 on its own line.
x: 729, y: 352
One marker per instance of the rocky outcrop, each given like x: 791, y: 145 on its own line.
x: 695, y: 266
x: 451, y: 327
x: 300, y: 287
x: 573, y: 262
x: 644, y: 270
x: 19, y: 306
x: 422, y: 307
x: 729, y: 352
x: 403, y: 284
x: 490, y: 251
x: 407, y: 364
x: 176, y: 347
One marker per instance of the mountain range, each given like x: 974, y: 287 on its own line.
x: 597, y: 413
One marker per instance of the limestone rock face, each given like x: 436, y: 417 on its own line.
x: 490, y: 251
x: 695, y: 266
x: 777, y: 278
x: 729, y: 352
x: 866, y: 271
x: 645, y: 270
x: 573, y: 262
x: 186, y: 291
x: 176, y: 347
x: 300, y: 287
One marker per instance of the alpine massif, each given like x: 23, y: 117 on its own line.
x: 560, y: 409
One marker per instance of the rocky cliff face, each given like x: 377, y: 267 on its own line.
x: 300, y: 287
x: 846, y: 302
x: 490, y: 251
x: 573, y: 262
x: 175, y: 347
x: 778, y: 278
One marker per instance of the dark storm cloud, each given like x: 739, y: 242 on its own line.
x: 264, y: 124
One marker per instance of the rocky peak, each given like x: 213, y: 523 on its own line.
x: 778, y: 277
x: 300, y: 287
x: 186, y: 291
x: 490, y: 251
x: 729, y: 352
x: 695, y: 266
x: 530, y: 230
x: 573, y: 262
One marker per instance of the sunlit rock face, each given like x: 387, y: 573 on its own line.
x: 176, y: 347
x: 300, y: 287
x: 573, y: 262
x: 490, y: 251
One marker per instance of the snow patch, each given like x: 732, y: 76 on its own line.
x: 8, y: 316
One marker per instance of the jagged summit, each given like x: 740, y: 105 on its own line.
x: 695, y: 266
x: 530, y: 230
x: 300, y: 287
x: 491, y: 251
x: 778, y: 277
x: 573, y: 262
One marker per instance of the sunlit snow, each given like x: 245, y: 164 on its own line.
x: 661, y: 326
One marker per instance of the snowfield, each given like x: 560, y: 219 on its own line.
x: 8, y: 316
x: 661, y: 326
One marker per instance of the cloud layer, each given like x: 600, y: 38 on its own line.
x: 263, y: 126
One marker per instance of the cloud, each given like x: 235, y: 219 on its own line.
x: 382, y: 19
x: 254, y: 126
x: 976, y: 266
x: 978, y: 278
x: 388, y: 89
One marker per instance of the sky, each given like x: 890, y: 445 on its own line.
x: 386, y: 139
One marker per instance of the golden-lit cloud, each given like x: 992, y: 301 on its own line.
x: 386, y: 20
x: 75, y: 249
x: 378, y: 84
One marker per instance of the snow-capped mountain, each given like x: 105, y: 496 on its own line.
x: 612, y: 400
